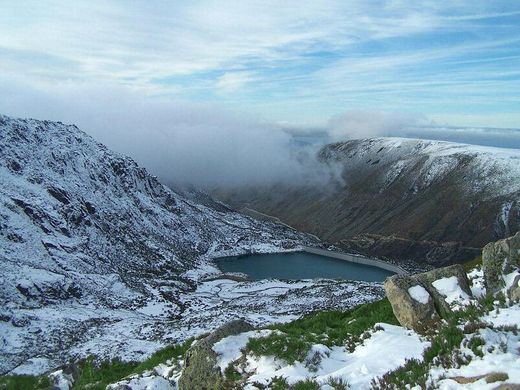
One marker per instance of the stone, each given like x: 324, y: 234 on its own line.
x: 414, y: 314
x: 200, y: 365
x: 427, y: 278
x: 410, y: 312
x: 499, y: 258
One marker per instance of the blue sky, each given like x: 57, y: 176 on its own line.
x: 295, y: 63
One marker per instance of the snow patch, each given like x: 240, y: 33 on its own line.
x: 508, y: 316
x: 478, y: 288
x: 449, y: 287
x: 230, y: 348
x: 419, y: 294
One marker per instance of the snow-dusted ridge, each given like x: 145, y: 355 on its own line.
x: 413, y: 189
x: 97, y: 257
x: 489, y: 165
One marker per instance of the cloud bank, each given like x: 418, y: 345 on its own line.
x: 183, y: 143
x: 205, y: 146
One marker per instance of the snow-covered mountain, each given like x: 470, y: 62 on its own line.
x: 414, y: 189
x: 89, y: 239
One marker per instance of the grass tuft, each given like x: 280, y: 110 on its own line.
x: 306, y: 384
x: 24, y: 382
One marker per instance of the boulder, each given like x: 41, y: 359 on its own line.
x: 499, y: 258
x: 416, y: 303
x: 200, y: 365
x: 428, y: 278
x: 411, y: 303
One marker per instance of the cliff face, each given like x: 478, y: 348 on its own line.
x: 413, y: 189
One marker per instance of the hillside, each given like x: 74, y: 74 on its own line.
x: 98, y: 257
x: 413, y: 189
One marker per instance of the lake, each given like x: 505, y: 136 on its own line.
x: 300, y: 265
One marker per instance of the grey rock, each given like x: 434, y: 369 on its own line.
x: 409, y: 312
x: 416, y: 315
x: 200, y: 365
x: 499, y: 258
x: 427, y: 278
x: 73, y: 371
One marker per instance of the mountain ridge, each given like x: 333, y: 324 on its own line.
x: 414, y: 189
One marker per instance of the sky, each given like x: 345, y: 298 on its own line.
x: 297, y: 62
x: 129, y: 72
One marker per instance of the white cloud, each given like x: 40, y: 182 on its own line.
x: 145, y: 41
x: 367, y: 124
x: 183, y: 143
x: 232, y: 81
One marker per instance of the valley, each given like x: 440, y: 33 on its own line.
x: 101, y: 260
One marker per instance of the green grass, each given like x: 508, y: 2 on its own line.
x: 306, y: 384
x: 415, y: 372
x: 96, y: 376
x: 328, y: 328
x: 24, y: 382
x: 475, y: 344
x: 231, y: 374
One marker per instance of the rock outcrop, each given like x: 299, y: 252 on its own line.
x: 501, y: 258
x: 200, y: 366
x: 429, y: 278
x: 419, y: 301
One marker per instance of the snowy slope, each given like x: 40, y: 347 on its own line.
x: 490, y: 362
x: 488, y: 168
x: 92, y: 247
x: 414, y: 189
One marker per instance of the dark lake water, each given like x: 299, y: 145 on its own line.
x: 300, y: 265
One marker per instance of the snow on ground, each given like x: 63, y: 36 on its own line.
x: 61, y: 380
x: 476, y: 278
x: 508, y: 316
x: 145, y: 383
x: 230, y: 348
x: 33, y: 365
x: 509, y: 279
x: 386, y: 349
x: 454, y: 295
x: 500, y: 355
x: 419, y: 294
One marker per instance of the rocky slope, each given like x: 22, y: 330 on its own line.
x: 97, y: 256
x: 414, y: 189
